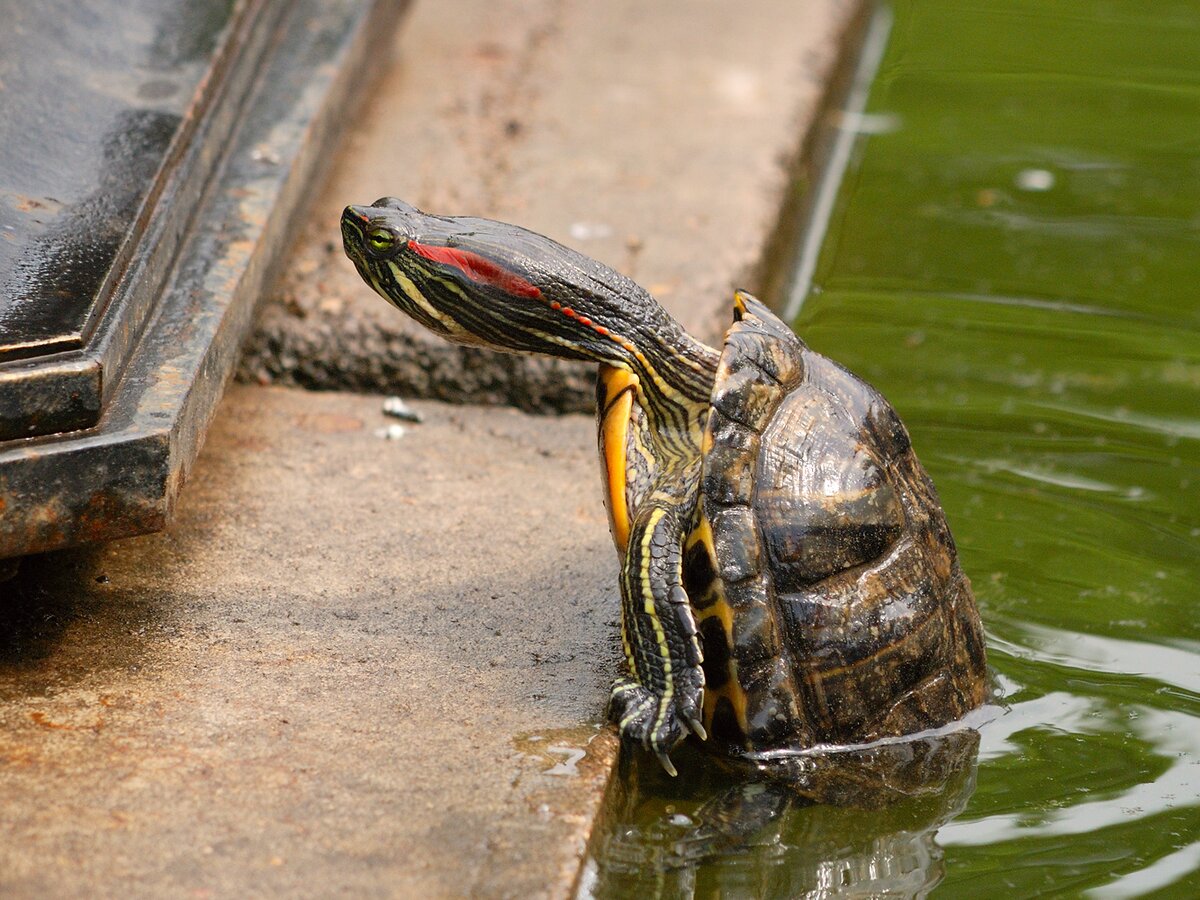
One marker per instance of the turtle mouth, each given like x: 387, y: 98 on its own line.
x: 354, y: 231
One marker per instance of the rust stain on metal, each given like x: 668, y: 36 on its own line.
x: 49, y: 522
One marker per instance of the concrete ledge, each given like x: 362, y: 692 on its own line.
x: 656, y: 137
x: 349, y: 666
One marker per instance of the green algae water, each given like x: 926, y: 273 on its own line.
x: 1012, y: 256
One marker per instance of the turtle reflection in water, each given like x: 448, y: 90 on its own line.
x: 787, y: 576
x: 873, y: 836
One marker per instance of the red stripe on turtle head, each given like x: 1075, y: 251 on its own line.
x: 478, y: 269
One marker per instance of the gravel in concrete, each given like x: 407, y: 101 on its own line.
x: 352, y: 666
x: 656, y: 137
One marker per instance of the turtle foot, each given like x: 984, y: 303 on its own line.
x: 658, y: 722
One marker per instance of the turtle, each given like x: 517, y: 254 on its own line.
x: 787, y: 576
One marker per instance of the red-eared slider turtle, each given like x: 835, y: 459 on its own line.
x: 787, y: 575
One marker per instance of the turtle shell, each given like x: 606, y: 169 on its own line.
x: 826, y: 584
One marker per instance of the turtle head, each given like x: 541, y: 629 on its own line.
x: 476, y: 281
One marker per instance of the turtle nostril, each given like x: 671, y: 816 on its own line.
x: 354, y: 217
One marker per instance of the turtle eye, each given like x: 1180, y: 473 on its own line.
x: 381, y: 240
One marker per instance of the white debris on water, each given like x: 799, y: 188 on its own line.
x: 1035, y: 179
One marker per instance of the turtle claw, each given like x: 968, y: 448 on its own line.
x: 690, y: 701
x: 656, y: 723
x: 667, y: 765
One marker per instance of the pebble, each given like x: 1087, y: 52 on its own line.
x: 391, y: 432
x: 397, y: 408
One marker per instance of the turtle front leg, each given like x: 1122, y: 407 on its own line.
x: 661, y: 698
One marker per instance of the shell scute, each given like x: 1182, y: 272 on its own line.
x: 753, y: 633
x: 728, y: 477
x: 775, y: 720
x: 774, y: 359
x: 738, y: 553
x: 827, y: 501
x: 885, y: 430
x: 744, y: 395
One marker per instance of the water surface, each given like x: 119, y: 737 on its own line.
x: 1013, y: 258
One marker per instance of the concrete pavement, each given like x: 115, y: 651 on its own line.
x: 378, y: 668
x: 351, y: 666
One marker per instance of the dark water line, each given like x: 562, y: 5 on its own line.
x: 848, y: 125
